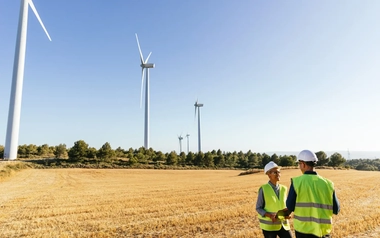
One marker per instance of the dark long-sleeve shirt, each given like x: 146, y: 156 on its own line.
x: 292, y: 196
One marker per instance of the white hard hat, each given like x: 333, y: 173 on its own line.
x: 307, y: 155
x: 270, y: 166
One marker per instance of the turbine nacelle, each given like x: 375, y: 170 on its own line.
x: 147, y: 66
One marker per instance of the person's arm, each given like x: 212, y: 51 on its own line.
x: 291, y: 200
x: 336, y: 204
x: 260, y: 203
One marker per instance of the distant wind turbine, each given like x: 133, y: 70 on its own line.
x: 187, y: 136
x: 180, y: 143
x: 145, y: 65
x: 13, y: 128
x: 198, y: 105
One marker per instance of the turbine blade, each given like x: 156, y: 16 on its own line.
x: 138, y: 44
x: 142, y: 86
x: 38, y: 17
x: 146, y: 61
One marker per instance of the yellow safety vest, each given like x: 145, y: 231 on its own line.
x: 314, y: 205
x: 273, y: 204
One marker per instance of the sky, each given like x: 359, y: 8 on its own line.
x: 272, y: 75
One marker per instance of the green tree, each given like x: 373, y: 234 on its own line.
x: 22, y: 151
x: 31, y: 151
x: 78, y: 151
x: 160, y: 157
x: 190, y: 158
x: 242, y: 160
x: 60, y: 151
x: 172, y: 158
x: 182, y: 158
x: 91, y: 152
x: 336, y: 160
x: 105, y: 153
x: 199, y: 159
x: 141, y: 158
x: 275, y: 158
x: 150, y: 153
x: 119, y: 152
x: 367, y: 167
x: 43, y: 150
x: 132, y: 160
x: 1, y: 151
x: 286, y: 161
x: 253, y: 160
x: 322, y: 158
x: 141, y: 150
x: 265, y: 159
x: 219, y: 160
x: 51, y: 150
x: 209, y: 160
x: 231, y: 159
x: 130, y: 153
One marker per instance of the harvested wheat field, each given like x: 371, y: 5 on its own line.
x: 164, y: 203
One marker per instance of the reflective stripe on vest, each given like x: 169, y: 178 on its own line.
x: 314, y: 204
x: 273, y: 204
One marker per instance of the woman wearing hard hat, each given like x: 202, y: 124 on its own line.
x: 313, y: 200
x: 270, y: 205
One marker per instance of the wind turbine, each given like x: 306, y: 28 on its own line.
x: 187, y: 136
x: 180, y: 143
x: 198, y: 105
x: 145, y: 65
x: 11, y: 141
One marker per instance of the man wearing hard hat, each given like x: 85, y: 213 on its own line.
x: 271, y: 206
x: 313, y: 200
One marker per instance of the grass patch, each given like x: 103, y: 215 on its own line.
x: 9, y: 168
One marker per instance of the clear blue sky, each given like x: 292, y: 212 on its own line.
x: 273, y: 75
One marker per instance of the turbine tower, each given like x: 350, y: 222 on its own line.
x: 13, y: 127
x: 187, y: 136
x: 180, y: 143
x: 145, y: 65
x: 198, y: 105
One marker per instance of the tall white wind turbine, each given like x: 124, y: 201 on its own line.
x: 145, y: 65
x: 11, y: 141
x: 180, y: 143
x: 198, y: 105
x: 188, y: 147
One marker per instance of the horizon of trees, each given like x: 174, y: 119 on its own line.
x: 81, y: 151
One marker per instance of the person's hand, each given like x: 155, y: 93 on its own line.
x: 272, y: 216
x: 288, y: 216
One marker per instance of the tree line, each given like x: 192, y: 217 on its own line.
x: 81, y: 152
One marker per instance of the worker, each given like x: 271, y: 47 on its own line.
x: 313, y: 200
x: 270, y: 200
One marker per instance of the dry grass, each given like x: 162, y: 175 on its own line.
x: 162, y: 203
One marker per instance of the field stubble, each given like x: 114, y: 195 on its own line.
x: 164, y: 203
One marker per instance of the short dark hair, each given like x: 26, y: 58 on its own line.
x: 309, y: 163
